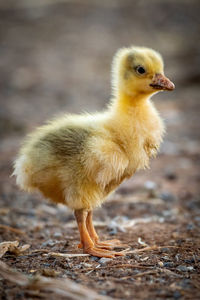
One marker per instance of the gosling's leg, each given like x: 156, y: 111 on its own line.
x: 86, y: 241
x: 109, y: 244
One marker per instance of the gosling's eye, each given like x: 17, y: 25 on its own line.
x: 140, y: 70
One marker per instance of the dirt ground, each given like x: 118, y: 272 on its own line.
x: 56, y: 57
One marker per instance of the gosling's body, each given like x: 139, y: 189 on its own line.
x: 78, y: 160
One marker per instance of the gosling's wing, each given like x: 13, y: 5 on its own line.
x: 64, y: 142
x: 107, y: 160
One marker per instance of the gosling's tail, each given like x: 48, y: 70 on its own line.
x: 22, y: 171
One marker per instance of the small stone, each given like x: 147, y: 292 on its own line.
x: 104, y: 260
x: 86, y: 265
x: 190, y: 268
x: 177, y: 257
x: 168, y: 264
x: 165, y: 257
x: 160, y: 263
x: 48, y: 243
x: 150, y: 185
x: 57, y: 234
x: 165, y: 250
x: 94, y: 258
x: 183, y: 268
x: 190, y: 260
x: 167, y: 213
x: 168, y: 197
x: 113, y: 231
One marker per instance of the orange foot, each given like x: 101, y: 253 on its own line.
x: 109, y: 244
x: 102, y: 252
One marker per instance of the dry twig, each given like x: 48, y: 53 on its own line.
x: 9, y: 228
x: 169, y: 272
x: 150, y: 248
x: 150, y: 272
x: 67, y: 255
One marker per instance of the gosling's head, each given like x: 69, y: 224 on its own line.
x: 138, y: 70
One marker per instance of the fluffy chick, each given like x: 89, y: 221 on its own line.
x: 78, y: 160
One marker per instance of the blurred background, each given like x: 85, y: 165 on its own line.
x: 55, y: 57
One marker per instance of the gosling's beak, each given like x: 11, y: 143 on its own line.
x: 160, y: 82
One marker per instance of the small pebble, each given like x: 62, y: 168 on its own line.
x: 164, y: 250
x: 183, y: 268
x: 168, y: 264
x: 160, y: 263
x: 190, y: 260
x: 167, y: 213
x: 57, y: 234
x: 165, y: 257
x: 145, y: 258
x: 86, y: 265
x: 104, y: 260
x: 167, y: 196
x: 177, y: 257
x: 190, y: 268
x: 94, y: 258
x: 113, y: 231
x: 48, y: 243
x: 150, y: 185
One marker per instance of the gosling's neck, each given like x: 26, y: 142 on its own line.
x: 125, y: 112
x: 128, y: 104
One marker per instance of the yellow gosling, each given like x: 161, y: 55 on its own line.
x: 78, y: 160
